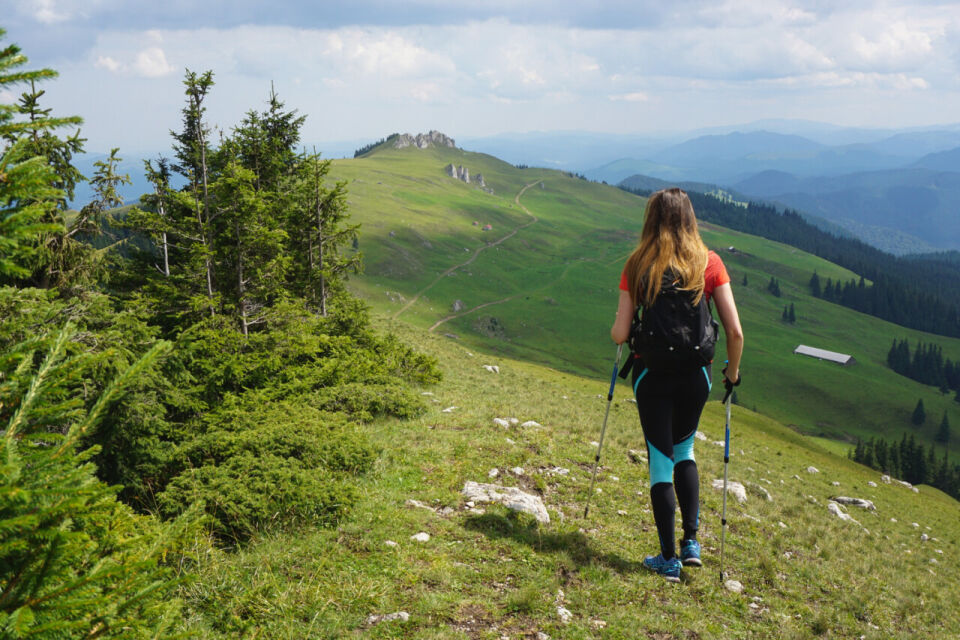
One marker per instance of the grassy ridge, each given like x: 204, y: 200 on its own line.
x: 496, y: 574
x: 550, y: 290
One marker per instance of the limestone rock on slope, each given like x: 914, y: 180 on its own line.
x: 423, y: 140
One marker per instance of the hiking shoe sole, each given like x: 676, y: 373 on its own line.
x: 693, y: 562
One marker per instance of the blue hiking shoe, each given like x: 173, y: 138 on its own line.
x: 669, y: 569
x: 690, y: 553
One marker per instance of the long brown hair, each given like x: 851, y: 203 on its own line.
x: 669, y: 240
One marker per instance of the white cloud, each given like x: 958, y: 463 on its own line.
x: 152, y: 63
x: 636, y: 96
x: 46, y: 11
x: 108, y: 63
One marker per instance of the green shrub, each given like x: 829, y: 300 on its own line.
x: 74, y: 562
x: 260, y: 463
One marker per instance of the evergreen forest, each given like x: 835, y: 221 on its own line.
x: 175, y: 375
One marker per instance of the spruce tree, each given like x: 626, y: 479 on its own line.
x: 744, y: 282
x: 815, y: 285
x: 919, y: 415
x: 792, y: 316
x: 943, y: 433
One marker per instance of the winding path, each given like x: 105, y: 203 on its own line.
x: 476, y: 253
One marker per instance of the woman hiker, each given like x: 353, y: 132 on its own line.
x: 672, y: 261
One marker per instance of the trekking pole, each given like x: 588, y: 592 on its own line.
x: 726, y: 460
x: 596, y: 462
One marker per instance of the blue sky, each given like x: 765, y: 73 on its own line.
x: 363, y: 69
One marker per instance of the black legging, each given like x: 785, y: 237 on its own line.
x: 670, y: 405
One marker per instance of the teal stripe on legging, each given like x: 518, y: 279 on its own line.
x: 639, y: 378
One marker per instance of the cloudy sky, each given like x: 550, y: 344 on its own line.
x: 362, y: 69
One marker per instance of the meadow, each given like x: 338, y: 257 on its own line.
x: 548, y: 293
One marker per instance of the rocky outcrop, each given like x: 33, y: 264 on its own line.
x: 510, y: 497
x: 423, y: 140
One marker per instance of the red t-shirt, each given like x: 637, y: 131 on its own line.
x: 715, y: 275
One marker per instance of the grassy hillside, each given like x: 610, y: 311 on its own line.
x: 493, y: 573
x: 541, y: 286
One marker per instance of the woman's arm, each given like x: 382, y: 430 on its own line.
x: 727, y: 310
x: 620, y: 330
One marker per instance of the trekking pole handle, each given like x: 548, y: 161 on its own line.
x: 613, y: 378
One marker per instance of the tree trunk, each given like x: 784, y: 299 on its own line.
x: 166, y: 255
x: 241, y: 298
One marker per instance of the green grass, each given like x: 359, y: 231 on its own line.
x: 498, y: 573
x: 552, y: 288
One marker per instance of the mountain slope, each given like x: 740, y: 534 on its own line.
x: 548, y: 293
x: 918, y: 202
x: 486, y: 572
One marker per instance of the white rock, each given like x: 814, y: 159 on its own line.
x: 733, y: 585
x: 500, y: 422
x: 924, y: 537
x: 871, y: 483
x: 835, y: 509
x: 760, y: 490
x: 621, y: 512
x: 893, y: 519
x: 940, y: 551
x: 493, y: 473
x: 782, y: 525
x: 735, y: 489
x: 510, y: 497
x: 565, y: 615
x: 419, y: 505
x: 719, y: 443
x: 614, y: 478
x: 788, y: 554
x: 594, y: 443
x: 389, y: 617
x: 599, y: 490
x: 933, y: 561
x: 813, y: 470
x: 885, y: 479
x: 856, y: 502
x: 509, y: 441
x: 835, y: 483
x: 449, y: 410
x: 914, y: 525
x: 598, y: 624
x: 542, y: 636
x: 700, y: 436
x: 492, y: 368
x: 513, y: 421
x: 636, y: 456
x: 423, y: 536
x: 390, y: 543
x: 517, y: 471
x: 796, y: 477
x: 557, y: 471
x: 531, y: 423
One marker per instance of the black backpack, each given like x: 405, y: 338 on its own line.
x: 674, y: 334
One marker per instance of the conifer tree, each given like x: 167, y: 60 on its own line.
x: 815, y: 285
x: 192, y: 148
x: 744, y: 282
x: 919, y: 415
x: 317, y: 223
x: 943, y: 433
x: 792, y: 315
